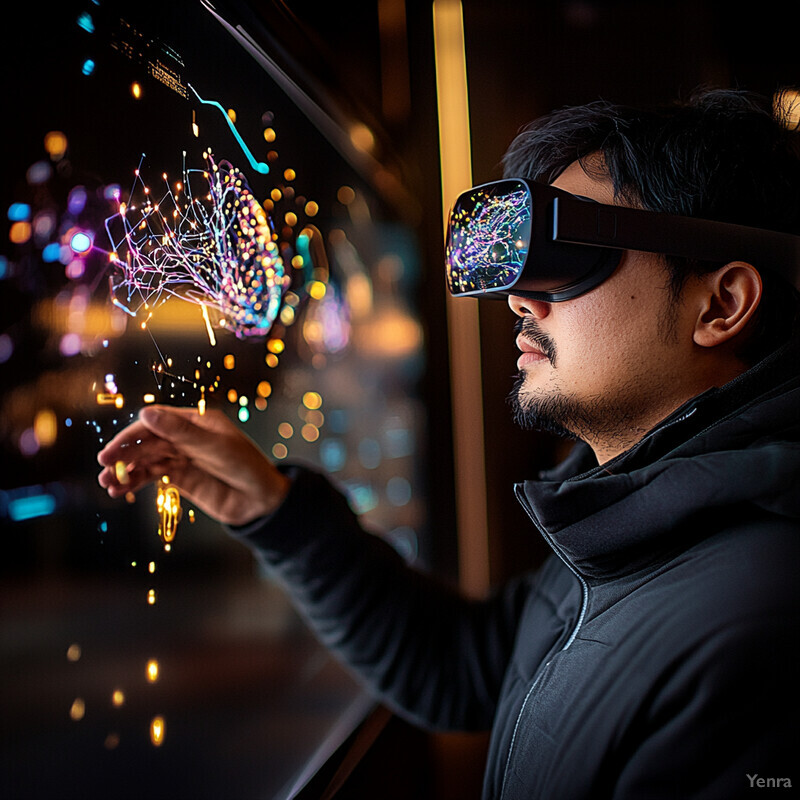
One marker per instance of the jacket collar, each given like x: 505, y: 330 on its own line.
x: 724, y: 447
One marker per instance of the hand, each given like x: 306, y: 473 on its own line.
x: 213, y: 463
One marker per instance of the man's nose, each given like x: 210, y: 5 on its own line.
x: 523, y: 306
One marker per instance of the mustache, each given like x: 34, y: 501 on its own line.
x: 530, y: 330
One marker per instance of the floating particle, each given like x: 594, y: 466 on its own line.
x: 74, y: 652
x: 118, y: 697
x: 312, y: 400
x: 151, y: 597
x: 55, y: 143
x: 77, y: 709
x: 153, y: 671
x: 280, y: 450
x: 111, y: 741
x: 157, y: 729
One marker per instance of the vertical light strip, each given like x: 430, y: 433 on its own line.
x: 462, y: 314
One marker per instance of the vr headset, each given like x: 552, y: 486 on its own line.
x: 520, y: 237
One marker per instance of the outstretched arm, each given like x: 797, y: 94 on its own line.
x: 213, y: 463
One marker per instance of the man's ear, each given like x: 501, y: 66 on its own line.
x: 728, y: 299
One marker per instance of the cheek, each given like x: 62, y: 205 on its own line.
x: 613, y: 334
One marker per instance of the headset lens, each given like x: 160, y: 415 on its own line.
x: 488, y: 237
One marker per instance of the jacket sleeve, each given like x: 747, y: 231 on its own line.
x: 434, y: 657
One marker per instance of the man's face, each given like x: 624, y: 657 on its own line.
x: 604, y: 367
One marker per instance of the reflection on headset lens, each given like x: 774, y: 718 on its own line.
x: 488, y: 237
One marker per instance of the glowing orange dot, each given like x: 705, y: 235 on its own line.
x: 280, y: 450
x: 55, y: 143
x: 310, y: 433
x: 345, y: 195
x: 20, y: 232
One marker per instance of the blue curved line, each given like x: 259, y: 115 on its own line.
x: 258, y: 166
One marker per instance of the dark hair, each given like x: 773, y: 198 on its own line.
x: 723, y: 154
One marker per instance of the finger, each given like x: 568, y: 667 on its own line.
x: 211, y: 441
x: 212, y: 420
x: 136, y: 433
x: 121, y: 479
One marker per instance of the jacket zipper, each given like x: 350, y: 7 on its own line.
x: 584, y: 605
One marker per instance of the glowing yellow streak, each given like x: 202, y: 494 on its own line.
x: 462, y: 314
x: 211, y: 337
x: 152, y: 670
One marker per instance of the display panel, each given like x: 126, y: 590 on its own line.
x: 180, y: 229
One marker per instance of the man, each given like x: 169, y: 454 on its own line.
x: 651, y: 656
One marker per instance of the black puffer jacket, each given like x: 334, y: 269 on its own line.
x: 652, y: 656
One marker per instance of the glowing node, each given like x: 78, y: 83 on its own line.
x: 118, y: 697
x: 74, y: 652
x: 168, y: 504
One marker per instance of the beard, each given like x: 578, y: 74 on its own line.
x: 551, y: 413
x: 562, y: 414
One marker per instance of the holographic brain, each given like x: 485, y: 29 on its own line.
x: 206, y: 240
